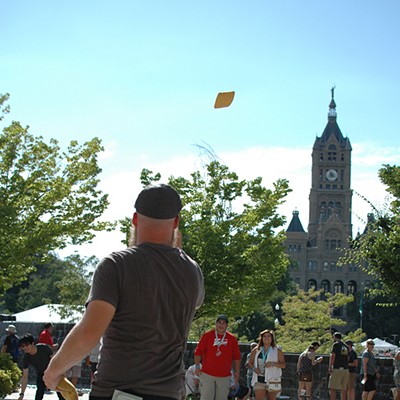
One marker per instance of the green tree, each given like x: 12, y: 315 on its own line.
x: 309, y: 317
x: 39, y: 287
x: 248, y: 327
x: 56, y: 281
x: 230, y: 227
x: 75, y: 284
x: 48, y: 198
x: 377, y: 251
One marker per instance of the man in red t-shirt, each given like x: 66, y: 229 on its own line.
x: 45, y: 336
x: 216, y: 351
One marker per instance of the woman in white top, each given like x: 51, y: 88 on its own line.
x: 267, y: 361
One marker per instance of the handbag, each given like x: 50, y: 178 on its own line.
x: 274, y: 385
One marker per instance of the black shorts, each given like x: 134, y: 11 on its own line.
x: 369, y: 386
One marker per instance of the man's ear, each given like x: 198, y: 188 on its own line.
x: 176, y: 221
x: 134, y: 219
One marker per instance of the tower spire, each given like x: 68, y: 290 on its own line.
x: 332, y: 105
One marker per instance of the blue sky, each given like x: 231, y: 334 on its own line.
x: 143, y: 76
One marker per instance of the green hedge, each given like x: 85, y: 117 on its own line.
x: 10, y: 375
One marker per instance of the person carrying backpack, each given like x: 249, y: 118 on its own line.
x: 11, y: 343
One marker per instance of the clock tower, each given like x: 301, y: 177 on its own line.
x: 314, y: 254
x: 330, y: 196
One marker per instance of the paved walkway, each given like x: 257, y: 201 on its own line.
x: 31, y: 391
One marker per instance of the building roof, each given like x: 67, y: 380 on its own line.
x: 295, y: 224
x: 332, y: 128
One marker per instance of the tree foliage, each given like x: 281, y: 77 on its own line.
x: 229, y: 226
x: 75, y: 284
x: 55, y: 281
x: 10, y: 375
x: 48, y: 198
x: 39, y: 287
x: 377, y: 250
x: 309, y: 316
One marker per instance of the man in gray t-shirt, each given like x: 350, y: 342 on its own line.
x: 142, y: 303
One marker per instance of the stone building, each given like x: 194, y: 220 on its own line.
x: 314, y: 254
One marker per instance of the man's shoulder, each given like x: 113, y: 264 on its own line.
x: 45, y: 348
x: 209, y: 333
x: 311, y: 355
x: 44, y: 335
x: 135, y: 252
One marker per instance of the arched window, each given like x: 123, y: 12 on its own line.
x: 326, y: 286
x: 352, y: 287
x: 338, y: 288
x: 330, y: 208
x: 333, y: 240
x: 312, y: 284
x: 338, y: 208
x: 322, y: 212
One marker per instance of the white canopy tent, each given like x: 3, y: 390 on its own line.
x: 45, y: 313
x: 382, y: 346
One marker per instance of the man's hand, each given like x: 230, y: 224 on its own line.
x: 51, y: 380
x: 237, y: 376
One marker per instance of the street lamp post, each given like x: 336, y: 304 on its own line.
x: 278, y: 312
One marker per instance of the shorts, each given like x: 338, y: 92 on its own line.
x: 352, y: 380
x: 339, y: 379
x: 262, y: 386
x: 370, y: 384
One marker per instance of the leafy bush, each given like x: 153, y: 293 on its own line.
x: 10, y: 375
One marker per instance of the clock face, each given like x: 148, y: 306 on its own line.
x: 331, y: 175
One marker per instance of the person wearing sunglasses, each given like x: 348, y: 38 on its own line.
x: 369, y: 371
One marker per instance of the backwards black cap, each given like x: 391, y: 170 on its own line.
x: 159, y: 202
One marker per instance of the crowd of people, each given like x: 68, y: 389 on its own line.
x: 141, y: 306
